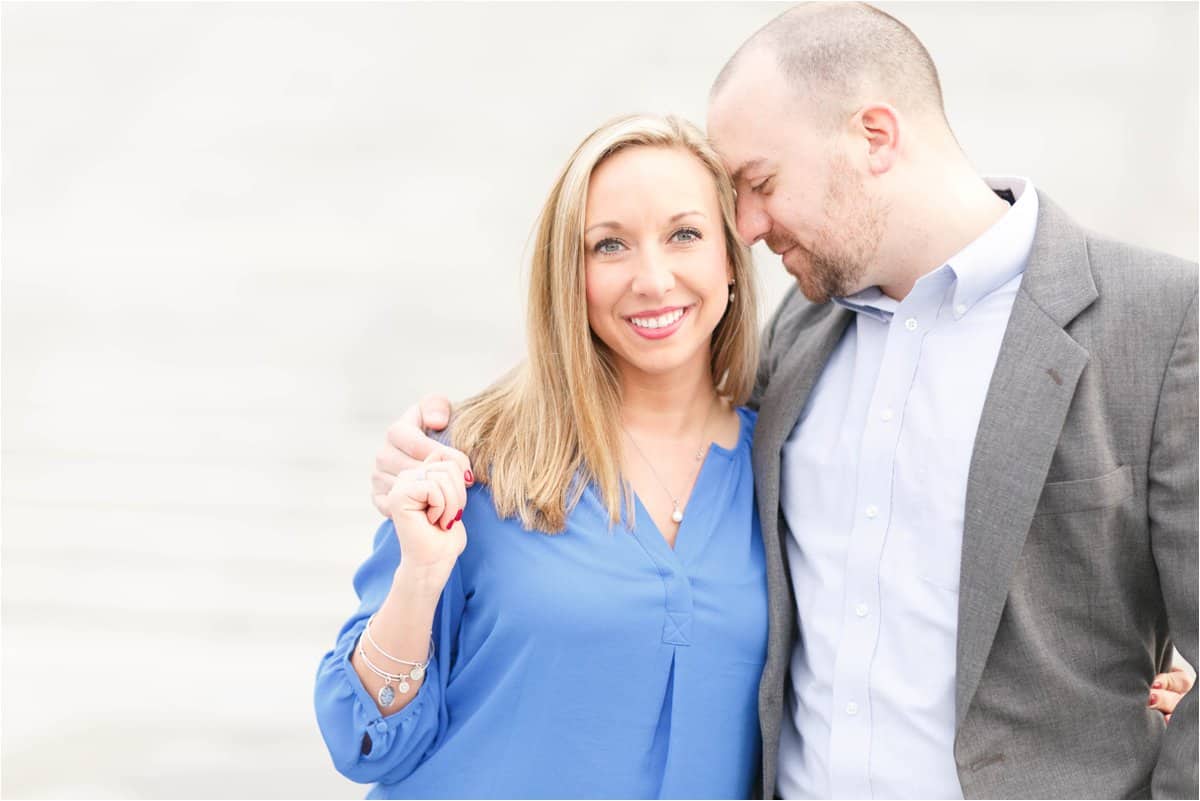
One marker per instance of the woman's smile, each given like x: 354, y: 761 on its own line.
x: 659, y: 323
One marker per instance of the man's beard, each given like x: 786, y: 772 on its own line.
x: 846, y: 245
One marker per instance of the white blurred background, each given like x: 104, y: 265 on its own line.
x: 240, y: 238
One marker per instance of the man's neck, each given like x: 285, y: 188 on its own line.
x: 950, y: 211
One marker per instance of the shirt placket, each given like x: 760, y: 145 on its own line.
x: 850, y: 735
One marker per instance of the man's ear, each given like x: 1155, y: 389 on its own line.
x: 878, y: 124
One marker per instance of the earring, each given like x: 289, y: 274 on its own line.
x: 732, y: 294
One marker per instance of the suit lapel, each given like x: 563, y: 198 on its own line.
x: 788, y: 392
x: 1030, y: 393
x: 786, y: 395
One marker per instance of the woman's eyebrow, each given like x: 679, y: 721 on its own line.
x: 606, y: 224
x: 674, y: 218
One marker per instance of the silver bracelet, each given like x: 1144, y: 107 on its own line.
x: 386, y: 695
x: 384, y: 653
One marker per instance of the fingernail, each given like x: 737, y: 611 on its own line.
x: 458, y: 516
x: 469, y: 476
x: 450, y: 525
x: 1157, y: 685
x: 1153, y: 699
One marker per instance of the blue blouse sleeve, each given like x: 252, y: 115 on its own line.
x: 366, y: 745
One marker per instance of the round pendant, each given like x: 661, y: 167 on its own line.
x: 417, y: 673
x: 387, y: 696
x: 403, y: 686
x: 677, y: 516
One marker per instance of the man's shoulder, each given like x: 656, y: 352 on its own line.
x: 1112, y: 259
x: 1137, y: 280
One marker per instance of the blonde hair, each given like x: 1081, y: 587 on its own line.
x: 552, y: 426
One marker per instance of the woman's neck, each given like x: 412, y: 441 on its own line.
x: 667, y: 405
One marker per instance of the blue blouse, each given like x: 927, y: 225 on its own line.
x: 594, y: 663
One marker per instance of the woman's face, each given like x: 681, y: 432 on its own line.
x: 656, y: 266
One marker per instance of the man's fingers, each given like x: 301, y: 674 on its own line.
x: 406, y: 443
x: 1177, y: 681
x: 381, y: 483
x: 1164, y: 701
x: 434, y: 412
x: 406, y: 436
x: 391, y: 461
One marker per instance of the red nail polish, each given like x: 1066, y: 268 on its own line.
x: 458, y: 516
x: 469, y: 476
x: 1157, y: 685
x: 1153, y: 699
x: 450, y: 525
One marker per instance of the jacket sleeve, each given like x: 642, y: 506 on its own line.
x: 367, y: 746
x: 1172, y: 495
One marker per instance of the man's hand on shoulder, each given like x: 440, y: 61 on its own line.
x: 406, y: 445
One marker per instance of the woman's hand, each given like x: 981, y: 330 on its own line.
x: 425, y: 505
x: 406, y: 446
x: 1168, y: 688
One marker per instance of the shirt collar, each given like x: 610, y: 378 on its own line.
x: 1000, y: 253
x: 989, y: 262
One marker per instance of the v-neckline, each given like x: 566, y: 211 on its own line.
x: 699, y: 502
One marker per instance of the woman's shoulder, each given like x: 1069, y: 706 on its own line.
x: 748, y: 418
x: 739, y: 447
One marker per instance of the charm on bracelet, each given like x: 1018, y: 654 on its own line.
x: 416, y: 671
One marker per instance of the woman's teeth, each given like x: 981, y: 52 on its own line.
x: 661, y: 321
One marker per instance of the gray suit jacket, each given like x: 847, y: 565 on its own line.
x: 1079, y: 543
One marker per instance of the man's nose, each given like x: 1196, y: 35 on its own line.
x: 753, y: 222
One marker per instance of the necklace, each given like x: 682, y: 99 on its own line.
x: 677, y: 512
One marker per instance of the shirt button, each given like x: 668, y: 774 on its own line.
x: 911, y: 323
x: 960, y: 310
x: 851, y: 708
x: 861, y: 610
x: 887, y: 415
x: 872, y: 512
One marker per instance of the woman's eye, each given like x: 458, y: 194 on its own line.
x: 760, y: 186
x: 686, y: 235
x: 606, y: 247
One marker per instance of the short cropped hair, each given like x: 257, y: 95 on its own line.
x: 834, y: 54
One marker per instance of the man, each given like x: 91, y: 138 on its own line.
x: 976, y: 453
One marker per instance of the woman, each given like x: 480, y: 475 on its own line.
x: 602, y: 631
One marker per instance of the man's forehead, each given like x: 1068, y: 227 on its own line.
x: 737, y: 137
x: 736, y: 114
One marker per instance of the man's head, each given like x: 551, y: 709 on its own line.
x: 821, y: 116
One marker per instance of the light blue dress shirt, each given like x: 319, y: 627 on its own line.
x: 594, y: 663
x: 873, y: 489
